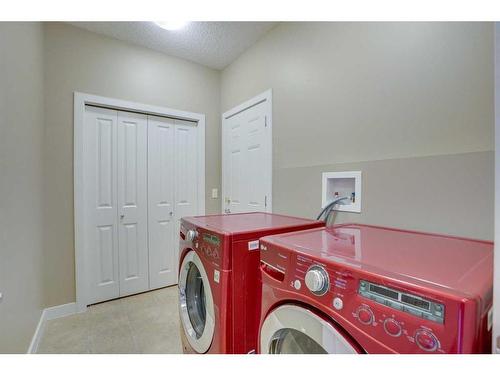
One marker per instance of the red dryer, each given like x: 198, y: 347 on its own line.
x: 219, y: 287
x: 364, y: 289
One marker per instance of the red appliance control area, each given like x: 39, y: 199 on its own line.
x: 414, y: 315
x: 399, y: 330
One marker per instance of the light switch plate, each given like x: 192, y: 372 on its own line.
x: 215, y: 193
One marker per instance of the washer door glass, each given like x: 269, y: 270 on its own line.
x: 291, y: 341
x: 195, y: 300
x: 196, y: 304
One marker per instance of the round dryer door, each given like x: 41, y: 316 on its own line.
x: 196, y: 306
x: 291, y: 329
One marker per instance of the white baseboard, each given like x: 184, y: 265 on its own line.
x: 60, y: 311
x: 35, y: 341
x: 48, y: 314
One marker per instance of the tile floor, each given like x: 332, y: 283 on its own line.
x: 144, y: 323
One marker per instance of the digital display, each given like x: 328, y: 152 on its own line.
x: 415, y: 302
x: 384, y: 292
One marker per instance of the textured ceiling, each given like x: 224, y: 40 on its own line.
x: 214, y: 44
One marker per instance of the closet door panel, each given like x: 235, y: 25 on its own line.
x: 101, y: 233
x: 186, y: 161
x: 186, y: 175
x: 132, y: 202
x: 163, y: 240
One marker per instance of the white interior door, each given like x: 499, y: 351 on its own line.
x: 101, y: 222
x: 247, y: 158
x: 162, y: 237
x: 132, y: 203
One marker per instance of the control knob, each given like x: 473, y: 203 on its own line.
x: 191, y: 235
x: 426, y: 340
x: 317, y: 280
x: 365, y: 315
x: 392, y: 327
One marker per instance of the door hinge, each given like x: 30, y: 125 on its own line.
x: 265, y: 121
x: 265, y: 201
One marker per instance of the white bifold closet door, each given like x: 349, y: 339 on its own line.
x: 101, y: 220
x: 173, y: 155
x: 162, y: 235
x: 140, y: 179
x: 132, y: 194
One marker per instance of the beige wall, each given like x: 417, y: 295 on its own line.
x: 21, y: 203
x: 77, y: 60
x: 450, y: 194
x: 387, y: 99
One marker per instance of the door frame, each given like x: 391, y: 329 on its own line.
x: 265, y: 97
x: 80, y: 100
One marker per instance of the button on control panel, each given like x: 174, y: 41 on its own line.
x: 338, y: 303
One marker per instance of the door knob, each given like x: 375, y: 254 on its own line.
x: 122, y: 217
x: 171, y: 213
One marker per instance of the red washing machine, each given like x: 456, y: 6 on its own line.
x: 365, y: 289
x: 219, y: 286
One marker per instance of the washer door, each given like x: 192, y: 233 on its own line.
x: 291, y: 329
x: 196, y: 305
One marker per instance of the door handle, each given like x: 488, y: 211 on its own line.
x: 122, y: 216
x: 171, y: 213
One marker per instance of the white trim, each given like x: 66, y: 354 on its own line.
x: 82, y: 99
x: 307, y: 322
x: 60, y: 311
x: 342, y: 206
x: 46, y: 315
x: 202, y: 343
x: 266, y: 96
x: 37, y: 336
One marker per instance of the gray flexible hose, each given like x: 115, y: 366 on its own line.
x: 328, y: 209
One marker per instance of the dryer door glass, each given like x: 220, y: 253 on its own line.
x: 291, y: 341
x: 195, y: 299
x: 294, y: 329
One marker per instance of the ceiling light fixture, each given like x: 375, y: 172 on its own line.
x: 172, y: 25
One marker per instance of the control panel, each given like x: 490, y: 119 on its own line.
x: 199, y: 239
x: 406, y: 321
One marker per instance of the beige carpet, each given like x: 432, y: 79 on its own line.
x: 144, y: 323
